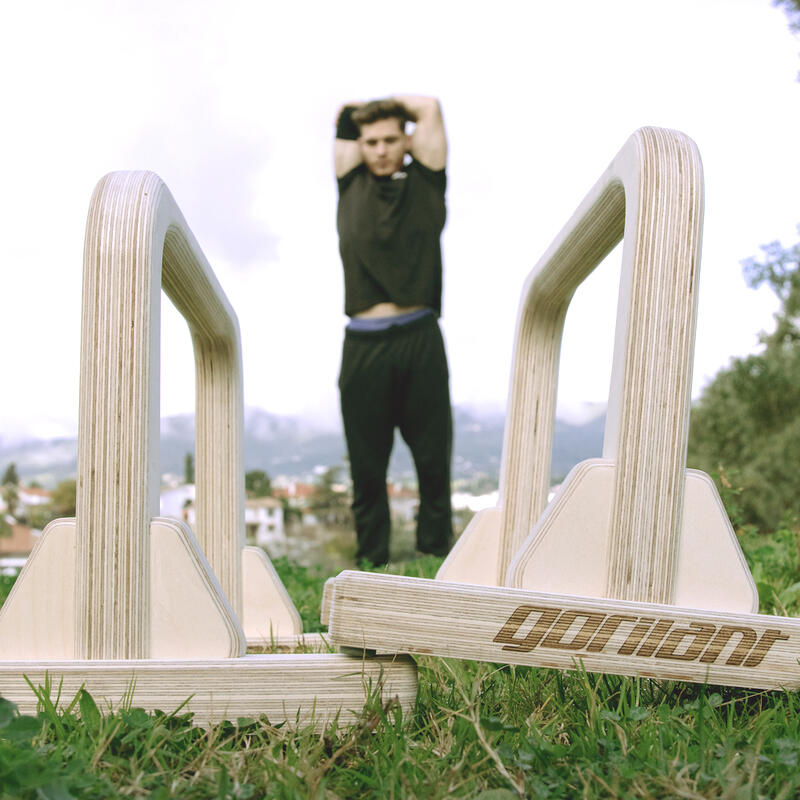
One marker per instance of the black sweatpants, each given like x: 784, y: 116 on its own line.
x: 398, y: 378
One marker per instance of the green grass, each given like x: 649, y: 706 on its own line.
x: 484, y: 731
x: 6, y: 582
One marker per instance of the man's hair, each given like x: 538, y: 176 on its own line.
x: 377, y: 110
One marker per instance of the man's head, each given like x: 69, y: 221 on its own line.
x: 383, y: 140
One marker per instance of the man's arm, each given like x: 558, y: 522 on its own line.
x: 346, y: 152
x: 429, y: 141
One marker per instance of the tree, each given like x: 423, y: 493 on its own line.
x: 257, y: 483
x: 330, y: 500
x: 792, y: 9
x: 188, y: 468
x: 9, y: 489
x: 39, y: 515
x: 10, y: 475
x: 780, y: 270
x: 63, y: 499
x: 745, y: 428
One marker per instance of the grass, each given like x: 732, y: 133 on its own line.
x: 487, y: 731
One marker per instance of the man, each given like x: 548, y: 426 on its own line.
x: 394, y: 368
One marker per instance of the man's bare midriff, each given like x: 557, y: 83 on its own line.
x: 385, y: 310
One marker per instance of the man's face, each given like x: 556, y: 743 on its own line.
x: 383, y: 145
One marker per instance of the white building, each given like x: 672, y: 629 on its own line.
x: 263, y: 518
x: 175, y: 502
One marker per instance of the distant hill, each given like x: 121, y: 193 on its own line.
x: 291, y: 446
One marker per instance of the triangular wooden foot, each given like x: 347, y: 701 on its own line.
x: 190, y: 617
x: 268, y: 614
x: 569, y: 549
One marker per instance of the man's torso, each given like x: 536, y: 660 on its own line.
x: 389, y: 231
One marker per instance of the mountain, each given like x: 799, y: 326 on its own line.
x: 291, y: 446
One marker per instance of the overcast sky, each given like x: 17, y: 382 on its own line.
x: 232, y: 105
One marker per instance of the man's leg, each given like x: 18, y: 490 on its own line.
x: 427, y: 427
x: 365, y: 393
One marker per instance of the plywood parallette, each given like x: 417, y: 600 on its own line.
x: 651, y: 196
x: 120, y: 597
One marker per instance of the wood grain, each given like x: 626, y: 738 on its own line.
x: 136, y: 243
x: 190, y: 617
x: 413, y: 615
x: 651, y: 196
x: 298, y: 689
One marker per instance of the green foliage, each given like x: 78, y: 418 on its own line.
x: 38, y: 516
x: 63, y: 499
x: 6, y: 582
x: 188, y: 468
x: 331, y: 500
x: 327, y: 491
x: 304, y: 584
x: 61, y: 504
x: 291, y: 515
x: 746, y: 424
x: 780, y: 270
x: 774, y: 561
x: 10, y: 476
x: 9, y: 491
x: 257, y: 483
x: 33, y: 767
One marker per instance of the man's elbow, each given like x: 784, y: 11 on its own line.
x: 433, y: 108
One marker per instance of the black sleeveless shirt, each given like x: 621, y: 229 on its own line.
x: 389, y: 230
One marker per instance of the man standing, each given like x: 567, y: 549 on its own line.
x: 394, y: 368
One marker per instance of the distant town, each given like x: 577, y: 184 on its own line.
x: 296, y: 480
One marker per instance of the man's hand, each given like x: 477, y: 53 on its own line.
x: 429, y: 141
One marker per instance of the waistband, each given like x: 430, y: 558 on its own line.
x: 381, y: 323
x: 420, y: 319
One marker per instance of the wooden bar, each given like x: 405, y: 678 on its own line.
x: 393, y: 614
x: 300, y: 689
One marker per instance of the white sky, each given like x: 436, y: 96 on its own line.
x: 232, y: 105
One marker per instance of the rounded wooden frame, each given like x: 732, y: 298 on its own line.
x: 137, y: 242
x: 651, y: 196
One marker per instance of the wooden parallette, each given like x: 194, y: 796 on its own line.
x: 119, y: 592
x: 630, y: 507
x: 632, y: 543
